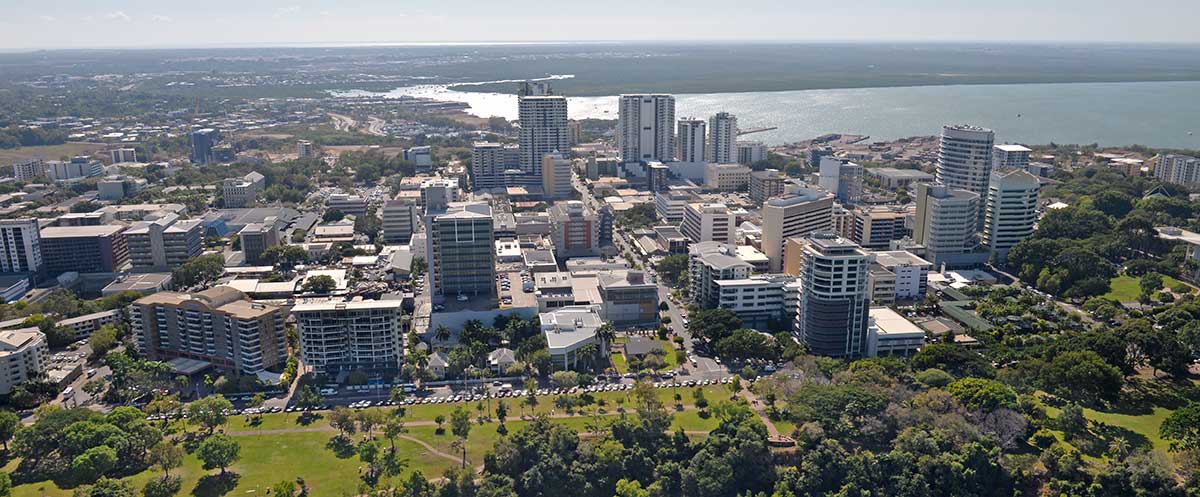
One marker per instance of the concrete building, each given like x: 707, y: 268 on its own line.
x: 164, y: 243
x: 238, y: 193
x: 24, y: 356
x: 627, y: 299
x: 118, y: 187
x: 875, y: 227
x: 657, y: 176
x: 341, y: 337
x: 438, y: 193
x: 85, y: 325
x: 221, y: 326
x: 765, y: 184
x: 555, y: 174
x: 726, y: 177
x: 543, y: 130
x: 692, y: 140
x: 945, y: 224
x: 256, y: 238
x: 488, y: 163
x: 76, y: 169
x: 670, y: 204
x: 758, y: 300
x: 84, y: 249
x: 119, y: 155
x: 881, y: 286
x: 420, y: 157
x: 842, y: 178
x: 29, y: 170
x: 304, y: 149
x: 350, y: 205
x: 894, y: 179
x: 20, y: 246
x: 834, y: 303
x: 911, y: 273
x: 800, y: 213
x: 749, y: 153
x: 569, y: 331
x: 708, y: 223
x: 1010, y: 214
x: 203, y: 141
x: 575, y: 230
x: 1007, y: 157
x: 965, y: 160
x: 462, y: 260
x: 399, y: 220
x: 722, y: 138
x: 890, y: 334
x: 1178, y: 169
x: 708, y: 263
x: 645, y: 128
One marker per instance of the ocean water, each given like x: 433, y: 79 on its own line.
x: 1157, y: 114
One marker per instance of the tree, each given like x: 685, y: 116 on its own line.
x: 165, y: 486
x: 286, y: 256
x: 332, y: 216
x: 209, y: 412
x: 460, y: 426
x: 342, y: 419
x: 439, y: 420
x: 285, y: 488
x: 166, y: 455
x: 320, y: 283
x: 94, y: 462
x: 983, y: 394
x: 1113, y: 203
x: 1150, y: 283
x: 200, y: 270
x: 5, y: 484
x: 218, y: 451
x: 711, y: 325
x: 564, y: 379
x: 9, y: 423
x: 103, y: 340
x: 1182, y: 428
x: 747, y: 344
x: 107, y: 487
x: 1082, y: 376
x: 671, y: 268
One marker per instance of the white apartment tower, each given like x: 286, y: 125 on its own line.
x: 835, y: 299
x: 645, y: 128
x: 722, y: 138
x: 1007, y: 157
x: 544, y: 130
x: 1011, y: 211
x: 487, y: 166
x: 945, y: 223
x: 1178, y: 169
x: 556, y: 177
x: 20, y: 246
x: 800, y: 213
x: 692, y: 140
x: 347, y: 336
x: 965, y: 159
x: 708, y: 223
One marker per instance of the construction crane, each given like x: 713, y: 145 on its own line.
x: 755, y: 130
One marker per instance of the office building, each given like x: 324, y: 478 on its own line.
x: 338, y: 337
x: 575, y: 230
x: 748, y: 153
x: 119, y: 155
x: 220, y: 326
x: 895, y: 179
x: 645, y: 128
x: 890, y: 334
x: 875, y: 227
x: 488, y: 163
x: 569, y: 331
x: 24, y: 356
x: 1010, y: 214
x: 628, y: 299
x: 657, y: 176
x: 708, y: 223
x: 556, y: 177
x: 842, y: 178
x: 1008, y: 157
x: 164, y: 243
x: 800, y: 213
x: 20, y: 246
x: 1178, y: 169
x: 84, y: 249
x: 304, y: 149
x: 462, y: 259
x: 438, y: 193
x: 945, y: 224
x: 256, y: 238
x: 881, y: 286
x: 692, y: 140
x: 722, y: 138
x: 399, y: 220
x: 350, y: 205
x: 203, y: 141
x: 543, y: 130
x: 965, y: 160
x: 238, y: 193
x: 765, y: 184
x: 834, y: 302
x: 117, y: 187
x: 420, y: 157
x: 29, y: 170
x: 910, y: 273
x: 75, y: 169
x: 759, y: 301
x: 708, y: 263
x: 670, y: 204
x: 726, y: 177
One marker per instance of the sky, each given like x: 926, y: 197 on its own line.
x: 44, y: 24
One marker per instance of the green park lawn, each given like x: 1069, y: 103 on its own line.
x: 619, y: 363
x: 1125, y: 288
x: 1144, y: 425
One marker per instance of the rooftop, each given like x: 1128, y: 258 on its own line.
x: 81, y: 231
x: 889, y: 322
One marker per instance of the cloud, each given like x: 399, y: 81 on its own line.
x: 118, y: 16
x: 47, y: 18
x: 161, y: 18
x: 287, y: 11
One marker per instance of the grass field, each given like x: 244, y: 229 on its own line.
x: 1145, y: 425
x: 1126, y: 289
x: 49, y: 152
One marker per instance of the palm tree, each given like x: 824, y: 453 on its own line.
x: 606, y: 333
x: 589, y: 353
x: 442, y: 333
x: 1119, y: 447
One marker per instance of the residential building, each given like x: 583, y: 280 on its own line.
x: 645, y: 128
x: 85, y: 325
x: 842, y: 178
x: 29, y: 170
x: 555, y: 174
x: 350, y: 205
x: 500, y: 359
x: 765, y: 184
x: 876, y: 227
x: 708, y: 263
x: 726, y: 177
x: 965, y: 160
x: 238, y: 192
x: 911, y: 273
x: 75, y: 169
x: 945, y: 224
x: 575, y: 230
x: 1007, y: 157
x: 256, y: 238
x: 569, y: 332
x: 420, y: 157
x: 670, y: 204
x: 220, y: 325
x: 164, y: 243
x: 304, y: 149
x: 800, y: 213
x: 627, y: 299
x: 834, y: 302
x: 203, y: 141
x: 1178, y: 169
x: 20, y: 246
x: 758, y: 300
x: 749, y: 153
x: 722, y: 138
x: 543, y: 130
x: 881, y: 286
x: 1010, y: 214
x: 895, y: 179
x: 84, y: 249
x: 361, y: 335
x: 24, y: 356
x: 488, y: 163
x: 462, y: 259
x: 399, y: 220
x: 692, y: 140
x: 708, y: 222
x: 657, y: 176
x: 890, y: 334
x: 119, y: 155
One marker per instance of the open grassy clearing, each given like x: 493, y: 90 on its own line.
x: 49, y: 152
x: 1126, y: 288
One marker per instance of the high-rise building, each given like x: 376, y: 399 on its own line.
x: 800, y: 213
x: 875, y: 227
x: 340, y: 337
x: 119, y: 155
x: 645, y: 128
x: 670, y: 204
x: 692, y: 140
x: 487, y: 166
x: 726, y: 177
x: 842, y: 178
x: 834, y: 300
x: 543, y: 130
x: 399, y: 220
x: 556, y: 177
x: 350, y: 205
x: 438, y: 193
x: 462, y: 257
x: 164, y: 243
x: 84, y: 249
x: 203, y: 141
x: 76, y: 169
x: 722, y: 138
x: 708, y: 263
x: 765, y: 184
x: 657, y: 177
x: 945, y: 224
x: 910, y: 273
x: 708, y: 223
x: 750, y: 152
x: 304, y: 149
x: 965, y: 160
x: 24, y: 356
x: 758, y: 300
x: 1007, y: 157
x: 1178, y: 169
x: 420, y: 157
x: 29, y: 170
x: 20, y: 246
x: 256, y: 238
x: 1011, y: 210
x: 575, y: 230
x: 238, y: 193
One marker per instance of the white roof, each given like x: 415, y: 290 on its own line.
x: 1013, y: 148
x: 891, y: 323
